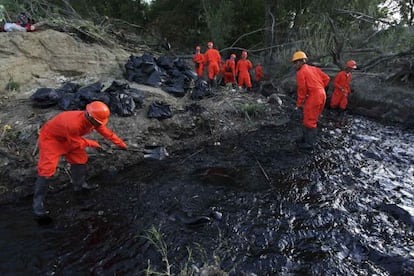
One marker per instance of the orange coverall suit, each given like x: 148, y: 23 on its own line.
x: 341, y: 90
x: 311, y: 95
x: 258, y: 73
x: 198, y: 59
x: 229, y: 76
x: 62, y: 135
x: 213, y: 58
x: 242, y: 69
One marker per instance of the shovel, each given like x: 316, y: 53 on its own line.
x: 150, y: 152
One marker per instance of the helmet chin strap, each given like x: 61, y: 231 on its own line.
x: 91, y: 120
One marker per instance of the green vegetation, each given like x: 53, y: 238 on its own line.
x: 270, y: 30
x: 154, y: 236
x: 12, y: 85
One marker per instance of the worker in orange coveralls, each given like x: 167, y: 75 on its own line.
x: 242, y: 70
x: 311, y: 96
x: 341, y: 86
x: 212, y: 60
x: 62, y: 135
x: 229, y: 71
x: 198, y: 60
x: 258, y: 72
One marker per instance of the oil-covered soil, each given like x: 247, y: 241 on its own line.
x: 252, y: 204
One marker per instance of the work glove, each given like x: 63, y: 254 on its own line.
x: 92, y: 143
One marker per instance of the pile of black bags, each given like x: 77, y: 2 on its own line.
x: 120, y: 98
x: 171, y: 74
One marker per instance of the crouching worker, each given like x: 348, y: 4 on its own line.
x: 62, y: 135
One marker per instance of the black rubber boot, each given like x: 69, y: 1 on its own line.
x: 210, y: 83
x: 342, y: 113
x: 301, y: 138
x: 214, y: 83
x: 78, y: 173
x: 309, y: 138
x: 40, y: 191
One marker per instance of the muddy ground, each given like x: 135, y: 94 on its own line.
x: 193, y: 123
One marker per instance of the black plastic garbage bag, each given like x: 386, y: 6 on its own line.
x: 175, y: 90
x: 181, y: 64
x: 138, y: 77
x: 148, y: 58
x: 159, y: 110
x: 137, y: 95
x: 104, y: 97
x: 69, y: 87
x: 133, y: 67
x: 154, y: 79
x: 89, y: 92
x: 121, y: 103
x: 200, y: 89
x: 46, y: 97
x: 165, y: 62
x: 67, y: 102
x: 190, y: 74
x: 115, y: 86
x: 176, y: 84
x: 133, y: 62
x: 148, y: 68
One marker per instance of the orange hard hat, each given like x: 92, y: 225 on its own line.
x: 233, y: 56
x: 244, y: 54
x: 210, y: 44
x: 351, y: 64
x: 198, y: 48
x: 98, y: 111
x: 298, y: 55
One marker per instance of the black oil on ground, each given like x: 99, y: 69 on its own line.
x: 252, y: 204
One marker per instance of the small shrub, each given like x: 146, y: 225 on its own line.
x: 13, y: 85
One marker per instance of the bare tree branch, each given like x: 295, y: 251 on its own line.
x: 374, y: 62
x: 262, y: 49
x: 247, y: 34
x: 364, y: 17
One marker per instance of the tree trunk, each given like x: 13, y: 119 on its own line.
x: 270, y: 8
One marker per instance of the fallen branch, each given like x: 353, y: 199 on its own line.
x: 385, y: 57
x: 264, y: 172
x: 191, y: 155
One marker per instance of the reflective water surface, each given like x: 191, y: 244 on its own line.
x: 253, y: 204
